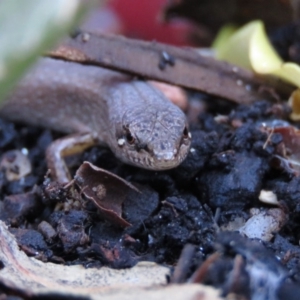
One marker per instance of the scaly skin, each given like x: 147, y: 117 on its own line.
x: 134, y: 119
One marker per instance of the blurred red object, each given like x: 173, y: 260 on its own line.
x: 140, y: 19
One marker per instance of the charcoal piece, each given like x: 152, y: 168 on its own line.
x: 162, y: 181
x: 266, y: 273
x: 139, y: 206
x: 21, y: 186
x: 71, y: 230
x: 288, y: 254
x: 101, y: 157
x: 285, y: 39
x: 32, y: 242
x: 245, y: 136
x: 209, y: 124
x: 104, y: 231
x: 107, y: 246
x: 53, y: 192
x: 255, y: 112
x: 7, y: 133
x: 202, y: 147
x: 289, y: 291
x: 180, y: 220
x: 234, y: 186
x: 113, y: 255
x: 16, y: 208
x: 287, y: 191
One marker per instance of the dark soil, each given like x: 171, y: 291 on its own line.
x: 228, y: 166
x: 286, y: 41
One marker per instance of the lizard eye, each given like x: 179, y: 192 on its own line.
x: 127, y: 135
x: 130, y: 139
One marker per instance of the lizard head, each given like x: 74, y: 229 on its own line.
x: 151, y: 138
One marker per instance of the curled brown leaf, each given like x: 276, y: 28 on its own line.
x: 106, y: 190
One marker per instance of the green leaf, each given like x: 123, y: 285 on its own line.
x: 223, y: 35
x: 250, y: 48
x: 27, y: 29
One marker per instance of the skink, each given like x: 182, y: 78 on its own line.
x: 100, y: 106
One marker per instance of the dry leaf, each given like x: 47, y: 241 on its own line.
x: 105, y: 189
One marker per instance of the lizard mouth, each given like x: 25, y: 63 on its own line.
x: 159, y: 163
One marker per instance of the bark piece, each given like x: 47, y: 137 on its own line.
x: 33, y: 277
x: 29, y: 277
x: 179, y: 66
